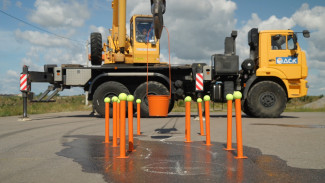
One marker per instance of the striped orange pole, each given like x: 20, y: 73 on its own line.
x: 207, y: 119
x: 130, y: 99
x: 118, y: 118
x: 238, y: 96
x: 114, y: 100
x: 107, y: 101
x: 138, y: 101
x: 199, y: 101
x: 229, y: 98
x: 188, y: 118
x: 122, y: 98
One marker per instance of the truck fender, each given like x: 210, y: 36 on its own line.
x: 126, y: 74
x: 248, y: 85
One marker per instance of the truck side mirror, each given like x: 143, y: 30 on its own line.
x: 306, y: 33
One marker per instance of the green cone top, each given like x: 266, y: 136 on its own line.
x: 122, y: 96
x: 206, y: 98
x: 130, y: 98
x: 114, y: 99
x: 237, y: 95
x: 188, y: 99
x: 107, y: 100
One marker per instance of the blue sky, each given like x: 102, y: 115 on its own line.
x: 197, y: 31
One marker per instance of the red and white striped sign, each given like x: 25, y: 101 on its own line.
x: 23, y: 82
x: 199, y: 81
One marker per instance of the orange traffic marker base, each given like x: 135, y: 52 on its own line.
x: 231, y: 149
x: 241, y: 157
x: 208, y: 144
x: 120, y: 157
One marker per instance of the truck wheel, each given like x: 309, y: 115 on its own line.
x: 266, y: 99
x: 245, y: 108
x: 107, y: 89
x: 154, y: 88
x: 96, y: 48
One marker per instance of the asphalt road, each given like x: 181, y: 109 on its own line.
x: 67, y: 147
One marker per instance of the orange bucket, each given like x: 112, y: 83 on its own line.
x: 158, y: 105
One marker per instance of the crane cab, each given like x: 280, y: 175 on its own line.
x: 144, y: 46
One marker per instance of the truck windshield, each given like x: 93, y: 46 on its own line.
x: 143, y: 25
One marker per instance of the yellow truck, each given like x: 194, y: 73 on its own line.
x: 275, y: 71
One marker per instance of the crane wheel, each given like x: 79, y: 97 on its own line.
x: 266, y: 99
x: 96, y: 48
x: 107, y: 89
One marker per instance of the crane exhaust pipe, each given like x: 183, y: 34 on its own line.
x: 158, y: 8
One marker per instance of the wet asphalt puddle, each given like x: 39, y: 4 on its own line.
x: 171, y: 161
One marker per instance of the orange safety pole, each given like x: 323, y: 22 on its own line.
x: 229, y: 98
x: 138, y: 101
x: 199, y: 101
x: 114, y: 99
x: 188, y: 118
x: 237, y: 96
x: 118, y: 118
x: 122, y: 98
x: 107, y: 101
x: 130, y: 99
x: 207, y: 119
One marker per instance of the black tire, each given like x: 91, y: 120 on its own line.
x: 266, y: 99
x: 96, y: 48
x: 171, y: 104
x: 107, y: 89
x: 245, y: 108
x: 154, y: 88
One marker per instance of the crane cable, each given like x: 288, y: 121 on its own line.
x: 170, y: 76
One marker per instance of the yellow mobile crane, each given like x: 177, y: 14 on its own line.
x: 275, y: 71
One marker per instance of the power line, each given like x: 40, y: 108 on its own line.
x: 39, y: 28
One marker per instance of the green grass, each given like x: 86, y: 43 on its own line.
x: 13, y: 105
x: 296, y: 104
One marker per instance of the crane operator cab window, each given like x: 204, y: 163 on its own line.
x: 279, y: 42
x: 143, y: 25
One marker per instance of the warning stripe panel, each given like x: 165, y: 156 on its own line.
x: 23, y: 82
x: 199, y: 81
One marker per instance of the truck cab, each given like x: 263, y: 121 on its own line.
x: 282, y: 57
x: 275, y: 72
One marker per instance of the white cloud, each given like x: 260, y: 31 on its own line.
x: 19, y: 4
x: 310, y: 18
x: 9, y: 82
x: 5, y: 4
x: 316, y: 83
x: 59, y: 13
x: 12, y: 73
x: 41, y: 39
x: 313, y: 19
